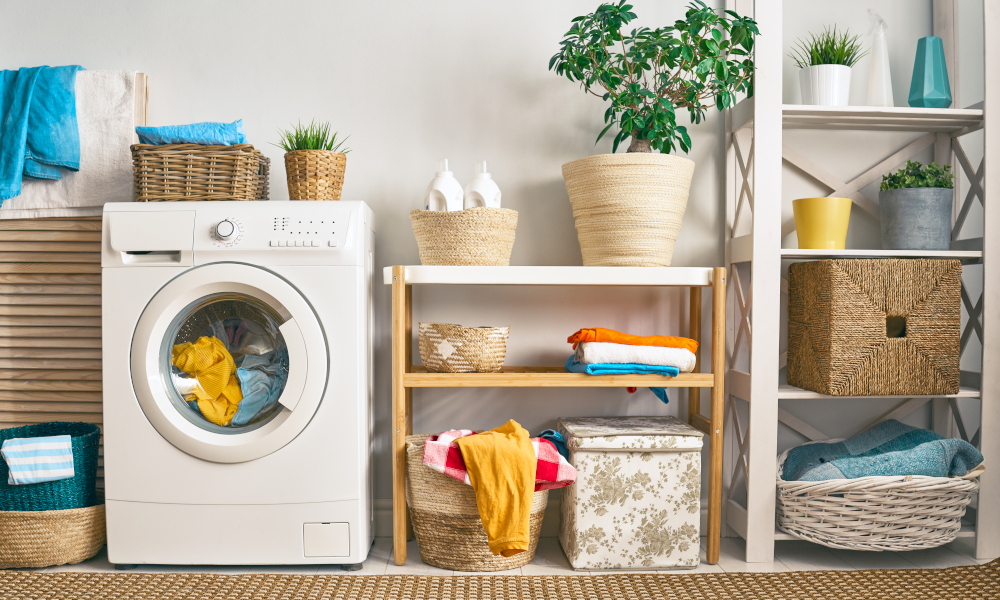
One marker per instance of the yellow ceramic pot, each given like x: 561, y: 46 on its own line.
x: 821, y: 223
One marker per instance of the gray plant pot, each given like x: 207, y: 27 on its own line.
x: 916, y: 218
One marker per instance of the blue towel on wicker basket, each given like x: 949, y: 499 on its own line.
x: 34, y: 460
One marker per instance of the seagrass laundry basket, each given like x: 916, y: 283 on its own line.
x: 315, y: 174
x: 874, y: 326
x: 195, y: 172
x: 45, y: 538
x: 446, y: 519
x: 482, y: 236
x: 446, y: 348
x: 78, y: 491
x: 874, y: 513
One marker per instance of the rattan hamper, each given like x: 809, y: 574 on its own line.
x: 482, y: 236
x: 446, y: 520
x: 446, y: 348
x: 45, y: 538
x: 874, y: 326
x: 192, y: 172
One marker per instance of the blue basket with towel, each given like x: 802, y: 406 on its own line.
x: 78, y: 491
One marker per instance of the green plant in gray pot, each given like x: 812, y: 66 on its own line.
x: 915, y: 206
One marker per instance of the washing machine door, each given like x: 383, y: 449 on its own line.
x: 229, y: 362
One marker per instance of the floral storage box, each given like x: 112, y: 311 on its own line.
x: 636, y: 503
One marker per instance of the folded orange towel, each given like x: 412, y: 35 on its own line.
x: 616, y: 337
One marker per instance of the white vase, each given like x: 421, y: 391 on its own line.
x: 825, y: 85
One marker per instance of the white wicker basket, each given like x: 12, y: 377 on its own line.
x: 873, y: 513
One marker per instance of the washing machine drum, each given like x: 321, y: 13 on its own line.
x: 229, y: 362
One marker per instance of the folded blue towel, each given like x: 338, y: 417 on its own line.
x: 574, y: 366
x: 34, y: 460
x: 888, y: 449
x: 212, y: 134
x: 38, y: 128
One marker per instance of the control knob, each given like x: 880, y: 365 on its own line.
x: 227, y: 230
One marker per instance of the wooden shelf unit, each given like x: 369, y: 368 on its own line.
x: 406, y: 376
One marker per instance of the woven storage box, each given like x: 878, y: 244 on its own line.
x: 874, y: 327
x: 446, y: 348
x: 472, y: 237
x: 78, y: 491
x: 175, y: 172
x: 874, y: 513
x: 446, y: 519
x: 47, y: 538
x: 315, y: 174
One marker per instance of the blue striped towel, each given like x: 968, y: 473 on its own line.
x: 34, y: 460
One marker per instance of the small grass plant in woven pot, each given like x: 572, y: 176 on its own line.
x: 446, y: 518
x: 446, y: 348
x: 315, y: 161
x: 629, y: 208
x: 482, y: 236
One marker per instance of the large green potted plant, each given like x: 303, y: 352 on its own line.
x: 915, y: 205
x: 628, y: 207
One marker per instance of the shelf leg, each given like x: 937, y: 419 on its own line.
x: 399, y: 412
x: 408, y: 391
x: 694, y: 321
x: 718, y: 412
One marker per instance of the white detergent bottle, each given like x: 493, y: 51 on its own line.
x: 879, y: 81
x: 444, y: 193
x: 482, y: 190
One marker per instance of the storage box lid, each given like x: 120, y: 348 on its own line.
x: 630, y: 433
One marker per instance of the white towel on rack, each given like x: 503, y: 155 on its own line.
x: 591, y: 353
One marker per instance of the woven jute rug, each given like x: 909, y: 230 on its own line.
x: 959, y: 583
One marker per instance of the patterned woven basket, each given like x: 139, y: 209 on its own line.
x: 873, y: 513
x: 315, y: 174
x: 51, y: 537
x: 446, y: 348
x: 78, y: 491
x: 446, y: 519
x: 628, y: 207
x: 195, y: 172
x: 875, y: 326
x: 472, y: 237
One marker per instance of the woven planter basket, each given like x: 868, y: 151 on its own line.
x: 448, y: 348
x: 845, y: 319
x: 873, y: 513
x: 47, y: 538
x: 315, y: 174
x: 470, y: 237
x: 78, y: 491
x: 446, y: 520
x: 195, y: 172
x: 628, y: 207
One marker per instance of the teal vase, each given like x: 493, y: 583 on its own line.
x: 929, y: 87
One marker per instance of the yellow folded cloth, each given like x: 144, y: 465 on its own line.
x: 501, y: 466
x: 218, y: 393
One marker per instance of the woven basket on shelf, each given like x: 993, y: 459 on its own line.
x: 628, y: 207
x: 78, y: 491
x: 446, y: 519
x: 315, y: 174
x: 873, y: 513
x: 194, y: 172
x: 33, y: 539
x: 446, y: 348
x: 472, y: 237
x: 860, y: 327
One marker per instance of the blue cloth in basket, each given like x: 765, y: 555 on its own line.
x: 212, y: 134
x: 34, y: 460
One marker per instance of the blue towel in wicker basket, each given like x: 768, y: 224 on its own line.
x: 78, y: 491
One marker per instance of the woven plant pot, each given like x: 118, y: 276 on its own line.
x: 446, y: 520
x: 34, y: 539
x: 448, y: 348
x: 873, y: 513
x: 628, y: 207
x: 196, y: 172
x: 315, y: 174
x: 471, y: 237
x: 78, y: 491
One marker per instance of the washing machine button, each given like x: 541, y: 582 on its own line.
x: 333, y: 243
x: 314, y: 244
x: 274, y: 243
x: 282, y: 243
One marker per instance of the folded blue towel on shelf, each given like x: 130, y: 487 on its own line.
x: 39, y: 133
x: 212, y: 134
x: 888, y: 449
x: 34, y: 460
x: 574, y: 366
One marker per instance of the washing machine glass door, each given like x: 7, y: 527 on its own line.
x: 229, y: 362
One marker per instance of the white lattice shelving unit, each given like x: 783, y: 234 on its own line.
x: 757, y: 158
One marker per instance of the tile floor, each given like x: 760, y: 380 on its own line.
x: 550, y: 560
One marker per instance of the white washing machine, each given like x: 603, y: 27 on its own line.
x: 237, y: 343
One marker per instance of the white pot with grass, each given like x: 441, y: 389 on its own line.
x: 825, y: 63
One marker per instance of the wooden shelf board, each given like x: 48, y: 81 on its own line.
x: 638, y: 276
x: 872, y: 118
x: 851, y: 253
x: 790, y: 392
x: 549, y: 377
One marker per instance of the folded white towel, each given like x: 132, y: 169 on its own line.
x: 603, y: 352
